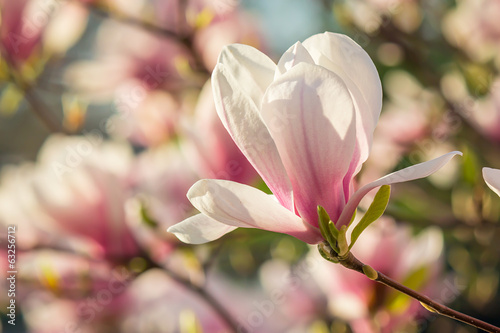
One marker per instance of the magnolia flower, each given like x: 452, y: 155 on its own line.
x: 306, y: 125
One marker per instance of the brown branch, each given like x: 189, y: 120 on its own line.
x: 123, y: 18
x: 37, y: 106
x: 186, y: 39
x: 351, y: 262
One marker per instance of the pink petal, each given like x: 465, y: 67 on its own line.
x: 348, y: 60
x: 293, y: 56
x: 239, y: 205
x: 417, y: 171
x: 199, y: 229
x: 492, y: 179
x: 252, y: 69
x: 310, y: 115
x: 242, y: 119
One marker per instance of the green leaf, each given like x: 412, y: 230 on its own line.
x: 328, y: 235
x: 333, y: 229
x: 375, y: 211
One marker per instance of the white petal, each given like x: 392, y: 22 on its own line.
x: 243, y: 206
x: 252, y: 69
x: 417, y: 171
x: 347, y: 59
x: 310, y: 115
x: 492, y: 179
x: 293, y: 56
x: 199, y: 229
x: 243, y: 121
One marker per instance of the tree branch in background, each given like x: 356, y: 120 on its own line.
x: 51, y: 122
x: 204, y: 294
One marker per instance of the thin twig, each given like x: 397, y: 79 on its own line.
x: 207, y: 265
x: 37, y: 106
x: 123, y: 18
x: 186, y: 39
x: 435, y: 306
x: 209, y: 298
x: 351, y: 262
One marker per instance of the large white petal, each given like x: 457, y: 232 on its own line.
x: 417, y: 171
x: 243, y: 121
x: 243, y: 206
x: 199, y: 229
x: 310, y: 115
x: 347, y: 59
x: 492, y: 179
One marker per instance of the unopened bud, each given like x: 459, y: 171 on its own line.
x: 370, y: 272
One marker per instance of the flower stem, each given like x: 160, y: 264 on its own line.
x: 351, y: 262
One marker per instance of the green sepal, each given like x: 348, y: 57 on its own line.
x: 373, y: 213
x: 325, y: 255
x: 325, y: 229
x: 342, y: 241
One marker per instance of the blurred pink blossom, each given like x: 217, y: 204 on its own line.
x: 149, y: 120
x: 61, y: 272
x: 77, y: 190
x: 163, y: 174
x: 160, y: 177
x: 130, y: 62
x: 474, y: 27
x: 30, y: 26
x: 22, y: 27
